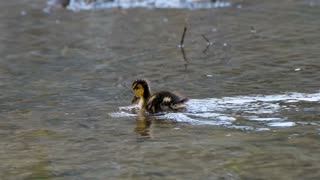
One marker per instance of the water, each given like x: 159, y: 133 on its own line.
x: 225, y: 111
x: 177, y: 4
x: 254, y: 108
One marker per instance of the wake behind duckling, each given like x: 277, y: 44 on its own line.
x: 255, y: 112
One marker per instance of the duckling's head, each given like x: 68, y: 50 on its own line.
x: 140, y: 89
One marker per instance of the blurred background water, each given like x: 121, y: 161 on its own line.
x: 254, y: 89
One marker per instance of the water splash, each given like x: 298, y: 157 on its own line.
x: 177, y: 4
x: 263, y: 111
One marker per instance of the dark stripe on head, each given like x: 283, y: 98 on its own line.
x: 143, y: 83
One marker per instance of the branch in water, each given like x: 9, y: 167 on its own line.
x: 205, y: 38
x: 209, y: 43
x: 181, y: 45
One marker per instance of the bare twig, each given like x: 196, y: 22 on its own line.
x: 206, y: 49
x: 184, y: 58
x: 205, y: 38
x: 184, y: 55
x: 209, y: 43
x: 181, y: 45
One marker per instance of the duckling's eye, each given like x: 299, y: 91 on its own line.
x: 134, y: 87
x: 137, y: 87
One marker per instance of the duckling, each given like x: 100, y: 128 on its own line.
x: 157, y: 102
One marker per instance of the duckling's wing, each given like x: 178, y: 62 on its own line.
x: 180, y: 105
x: 153, y: 104
x: 165, y: 101
x: 172, y: 102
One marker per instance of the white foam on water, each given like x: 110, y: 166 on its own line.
x: 281, y: 124
x: 215, y: 119
x: 262, y: 129
x: 77, y: 5
x: 246, y: 128
x: 122, y: 114
x: 265, y: 119
x: 259, y: 110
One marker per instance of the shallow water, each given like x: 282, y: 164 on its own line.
x: 254, y: 109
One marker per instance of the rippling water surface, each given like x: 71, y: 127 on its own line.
x: 177, y: 4
x: 251, y: 70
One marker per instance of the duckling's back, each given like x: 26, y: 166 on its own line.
x: 165, y: 101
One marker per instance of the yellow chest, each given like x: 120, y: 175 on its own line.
x: 141, y: 103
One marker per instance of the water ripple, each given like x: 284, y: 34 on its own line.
x: 177, y: 4
x: 261, y: 111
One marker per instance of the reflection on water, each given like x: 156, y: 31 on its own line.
x: 143, y: 126
x: 63, y: 75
